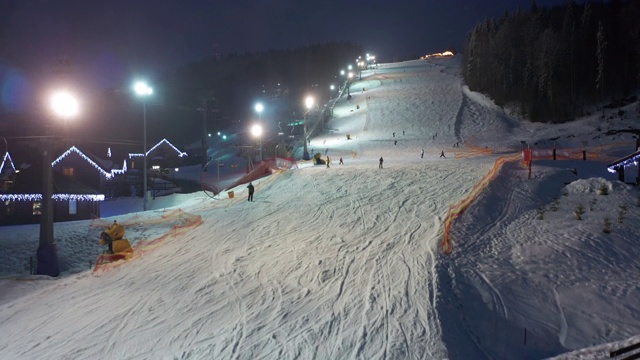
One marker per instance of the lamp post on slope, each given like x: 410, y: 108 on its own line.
x: 64, y: 105
x: 259, y: 109
x: 308, y: 102
x: 143, y: 91
x: 256, y: 131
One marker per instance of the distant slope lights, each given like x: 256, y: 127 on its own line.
x: 442, y: 54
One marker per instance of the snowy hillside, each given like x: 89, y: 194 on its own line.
x: 347, y: 262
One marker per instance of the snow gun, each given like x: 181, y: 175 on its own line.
x: 114, y: 238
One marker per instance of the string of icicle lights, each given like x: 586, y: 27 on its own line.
x: 630, y: 161
x: 180, y: 153
x: 57, y: 197
x: 108, y: 175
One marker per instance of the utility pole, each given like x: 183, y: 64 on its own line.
x: 204, y: 135
x: 205, y: 110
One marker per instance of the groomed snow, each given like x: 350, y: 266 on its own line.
x: 346, y: 262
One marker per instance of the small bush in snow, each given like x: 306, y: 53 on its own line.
x: 541, y: 211
x: 603, y: 190
x: 592, y: 203
x: 607, y: 226
x: 621, y: 213
x: 565, y: 192
x: 579, y: 211
x: 555, y: 205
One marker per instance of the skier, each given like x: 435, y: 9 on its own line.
x: 380, y: 166
x: 394, y: 134
x: 328, y: 161
x: 395, y: 142
x: 341, y: 162
x: 442, y: 154
x: 422, y: 154
x: 251, y: 188
x: 402, y: 132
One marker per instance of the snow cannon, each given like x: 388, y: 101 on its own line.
x: 114, y: 238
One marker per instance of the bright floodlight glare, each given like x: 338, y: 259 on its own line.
x: 341, y: 72
x: 259, y: 107
x: 64, y: 104
x: 256, y: 130
x: 218, y: 133
x: 350, y: 75
x: 224, y: 137
x: 142, y: 89
x: 332, y: 87
x: 308, y: 102
x: 349, y: 67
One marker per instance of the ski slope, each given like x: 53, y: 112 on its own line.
x: 345, y: 262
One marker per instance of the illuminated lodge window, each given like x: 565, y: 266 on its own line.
x: 37, y: 208
x: 68, y: 171
x: 156, y: 167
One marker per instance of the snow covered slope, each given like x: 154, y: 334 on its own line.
x: 345, y: 262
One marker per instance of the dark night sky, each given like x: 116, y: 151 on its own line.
x: 156, y: 34
x: 111, y: 42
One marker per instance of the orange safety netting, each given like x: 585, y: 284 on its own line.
x: 592, y: 153
x: 470, y: 150
x: 458, y: 209
x: 178, y: 220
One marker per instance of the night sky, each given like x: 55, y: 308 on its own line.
x: 110, y: 43
x: 147, y: 36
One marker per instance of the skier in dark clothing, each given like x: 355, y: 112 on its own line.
x: 422, y: 154
x: 251, y: 188
x: 442, y: 154
x: 380, y: 166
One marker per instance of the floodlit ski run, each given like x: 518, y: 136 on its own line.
x: 334, y: 263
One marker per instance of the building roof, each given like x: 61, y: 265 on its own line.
x: 631, y: 159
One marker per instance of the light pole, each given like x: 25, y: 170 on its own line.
x: 143, y: 90
x: 308, y: 102
x: 259, y: 109
x: 256, y: 131
x: 65, y: 106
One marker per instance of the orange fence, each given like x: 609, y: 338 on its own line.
x: 179, y: 221
x: 592, y: 153
x: 458, y: 209
x: 470, y: 150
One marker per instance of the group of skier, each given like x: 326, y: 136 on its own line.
x: 328, y: 162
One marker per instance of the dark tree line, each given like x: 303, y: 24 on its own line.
x: 553, y: 64
x: 284, y: 77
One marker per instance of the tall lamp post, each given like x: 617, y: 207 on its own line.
x: 308, y: 102
x: 256, y: 131
x: 259, y: 109
x: 65, y: 106
x: 143, y: 91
